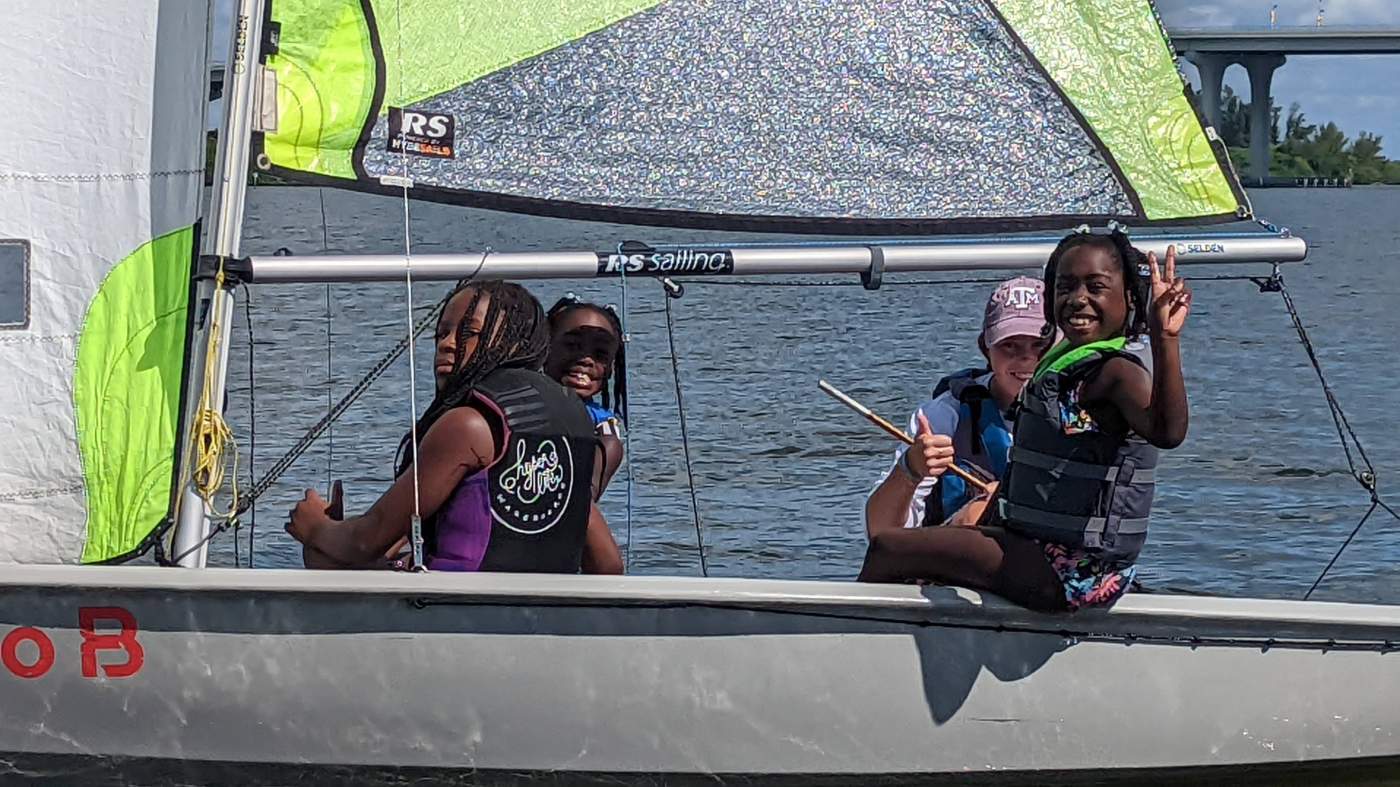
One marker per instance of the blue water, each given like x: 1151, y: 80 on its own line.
x: 1254, y: 503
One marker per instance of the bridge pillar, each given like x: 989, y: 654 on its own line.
x: 1261, y: 76
x: 1212, y: 69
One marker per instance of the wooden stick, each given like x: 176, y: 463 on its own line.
x: 895, y: 431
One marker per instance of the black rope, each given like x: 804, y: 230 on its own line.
x: 319, y: 428
x: 252, y: 425
x: 1073, y: 636
x: 904, y: 282
x: 1345, y: 544
x: 828, y: 283
x: 330, y: 431
x: 685, y: 437
x: 231, y: 521
x: 1346, y: 435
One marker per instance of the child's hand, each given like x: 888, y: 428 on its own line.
x: 1171, y: 298
x: 931, y: 454
x: 308, y: 517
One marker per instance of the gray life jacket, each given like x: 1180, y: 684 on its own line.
x: 1089, y: 489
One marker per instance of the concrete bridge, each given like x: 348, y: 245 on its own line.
x: 1261, y: 52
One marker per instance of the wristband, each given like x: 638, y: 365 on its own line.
x: 909, y: 471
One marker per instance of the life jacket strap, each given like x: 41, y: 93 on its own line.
x: 1061, y: 466
x: 1089, y: 529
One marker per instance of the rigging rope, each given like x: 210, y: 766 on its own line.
x: 314, y: 433
x: 626, y: 429
x: 1346, y: 435
x: 252, y: 426
x: 416, y: 527
x: 671, y: 295
x: 211, y: 437
x: 330, y: 431
x: 827, y: 282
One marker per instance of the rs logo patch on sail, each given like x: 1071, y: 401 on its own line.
x: 429, y: 134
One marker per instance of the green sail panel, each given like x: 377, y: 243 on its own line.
x: 865, y: 116
x: 326, y: 65
x: 1146, y: 120
x: 325, y: 86
x: 130, y: 364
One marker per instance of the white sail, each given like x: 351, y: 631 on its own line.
x: 101, y: 171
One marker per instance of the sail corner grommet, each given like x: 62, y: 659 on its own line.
x: 871, y: 278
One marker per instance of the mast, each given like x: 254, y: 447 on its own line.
x: 214, y: 304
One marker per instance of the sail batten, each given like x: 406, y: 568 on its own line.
x: 860, y: 117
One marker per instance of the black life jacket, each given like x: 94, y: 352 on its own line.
x: 537, y: 494
x: 1090, y: 489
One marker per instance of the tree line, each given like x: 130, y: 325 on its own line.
x: 1303, y: 149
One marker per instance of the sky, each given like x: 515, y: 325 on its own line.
x: 1358, y: 93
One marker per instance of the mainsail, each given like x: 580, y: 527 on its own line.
x: 864, y: 116
x: 101, y: 170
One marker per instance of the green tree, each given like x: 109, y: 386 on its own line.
x: 1367, y: 163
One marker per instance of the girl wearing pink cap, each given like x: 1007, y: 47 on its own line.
x: 965, y: 418
x: 1070, y: 516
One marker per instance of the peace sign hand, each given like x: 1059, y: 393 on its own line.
x: 1171, y: 298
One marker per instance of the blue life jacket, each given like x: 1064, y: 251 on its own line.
x: 598, y: 413
x: 981, y: 443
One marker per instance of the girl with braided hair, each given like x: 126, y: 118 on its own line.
x: 505, y: 458
x: 1070, y: 515
x: 587, y: 356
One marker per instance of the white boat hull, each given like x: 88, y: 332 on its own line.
x: 638, y: 676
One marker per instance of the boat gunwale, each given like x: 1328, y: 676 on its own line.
x: 1162, y: 615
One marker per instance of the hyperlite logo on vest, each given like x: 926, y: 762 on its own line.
x: 421, y: 133
x: 532, y: 489
x: 694, y: 261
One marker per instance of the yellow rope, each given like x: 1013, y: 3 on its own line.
x: 210, y: 436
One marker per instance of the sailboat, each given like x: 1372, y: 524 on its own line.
x: 872, y: 119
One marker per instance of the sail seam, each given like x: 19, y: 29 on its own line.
x: 92, y: 177
x: 41, y: 492
x: 60, y: 337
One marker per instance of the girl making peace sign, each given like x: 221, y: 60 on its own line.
x: 1070, y: 516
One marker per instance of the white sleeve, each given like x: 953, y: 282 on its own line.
x: 914, y: 517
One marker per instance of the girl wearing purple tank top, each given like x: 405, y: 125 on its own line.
x: 484, y: 327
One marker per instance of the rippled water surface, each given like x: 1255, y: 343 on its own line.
x: 1254, y: 503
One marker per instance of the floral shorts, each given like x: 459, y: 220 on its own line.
x: 1088, y: 581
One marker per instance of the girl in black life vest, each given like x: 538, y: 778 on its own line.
x: 504, y: 458
x: 1070, y: 516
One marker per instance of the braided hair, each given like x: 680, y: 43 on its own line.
x: 513, y: 335
x: 1130, y: 260
x: 614, y: 393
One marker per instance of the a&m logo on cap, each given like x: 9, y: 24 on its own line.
x: 1022, y: 297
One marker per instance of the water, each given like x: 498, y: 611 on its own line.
x: 1254, y: 503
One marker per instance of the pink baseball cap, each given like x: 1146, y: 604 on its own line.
x: 1016, y: 308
